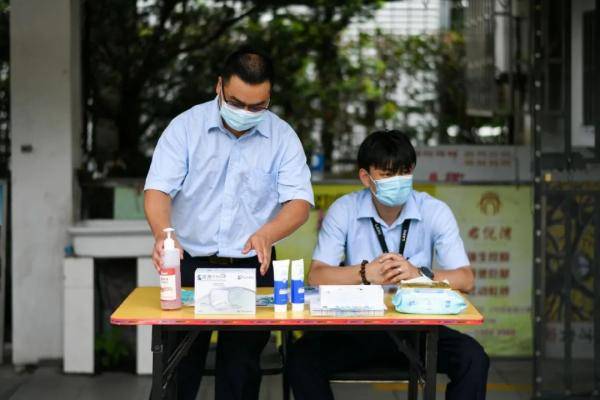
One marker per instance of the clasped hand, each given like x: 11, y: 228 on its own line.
x: 390, y: 268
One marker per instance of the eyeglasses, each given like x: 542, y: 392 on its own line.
x: 242, y: 106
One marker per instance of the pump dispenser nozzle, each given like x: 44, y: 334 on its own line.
x: 169, y: 242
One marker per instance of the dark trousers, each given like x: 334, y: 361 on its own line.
x: 317, y: 355
x: 238, y: 373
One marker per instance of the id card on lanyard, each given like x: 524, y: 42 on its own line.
x: 381, y: 238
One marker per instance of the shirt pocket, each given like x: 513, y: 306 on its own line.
x: 260, y: 195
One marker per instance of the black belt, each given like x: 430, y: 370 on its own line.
x: 227, y: 260
x: 216, y: 260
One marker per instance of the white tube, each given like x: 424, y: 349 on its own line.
x: 281, y: 270
x: 298, y: 285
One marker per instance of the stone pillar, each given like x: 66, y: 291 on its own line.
x: 45, y: 134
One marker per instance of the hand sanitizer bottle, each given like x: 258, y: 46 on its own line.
x: 170, y: 275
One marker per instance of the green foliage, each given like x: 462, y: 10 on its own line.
x: 111, y: 348
x: 148, y: 62
x: 316, y: 80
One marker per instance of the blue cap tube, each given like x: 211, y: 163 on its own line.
x: 298, y: 285
x: 281, y: 269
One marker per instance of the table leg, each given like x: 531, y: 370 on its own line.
x: 176, y: 350
x: 431, y: 348
x: 286, y: 340
x: 410, y: 351
x: 158, y: 359
x: 167, y: 352
x: 413, y: 382
x: 173, y: 349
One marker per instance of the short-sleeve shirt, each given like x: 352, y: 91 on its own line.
x: 347, y: 233
x: 224, y: 188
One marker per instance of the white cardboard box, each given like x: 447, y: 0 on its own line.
x: 225, y: 291
x: 351, y: 296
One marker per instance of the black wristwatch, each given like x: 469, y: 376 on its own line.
x: 426, y: 272
x: 363, y: 272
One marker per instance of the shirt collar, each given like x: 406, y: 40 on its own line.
x: 367, y: 209
x: 215, y: 122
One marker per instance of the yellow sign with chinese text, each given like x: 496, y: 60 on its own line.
x: 496, y: 225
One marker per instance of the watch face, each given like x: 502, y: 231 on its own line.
x: 427, y: 272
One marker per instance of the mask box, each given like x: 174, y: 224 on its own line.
x: 225, y: 291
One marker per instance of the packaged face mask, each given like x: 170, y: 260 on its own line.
x: 219, y: 298
x: 225, y: 291
x: 239, y: 297
x: 187, y: 297
x: 428, y: 301
x: 231, y: 298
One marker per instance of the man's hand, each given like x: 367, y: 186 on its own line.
x: 403, y: 268
x: 390, y: 268
x: 159, y: 252
x: 381, y: 270
x: 262, y: 245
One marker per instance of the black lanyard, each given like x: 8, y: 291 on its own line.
x: 381, y: 238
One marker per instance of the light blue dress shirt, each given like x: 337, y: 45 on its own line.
x: 347, y: 232
x: 224, y: 188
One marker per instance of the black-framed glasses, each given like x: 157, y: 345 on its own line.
x: 243, y: 106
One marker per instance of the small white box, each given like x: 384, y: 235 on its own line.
x: 225, y: 291
x: 351, y: 296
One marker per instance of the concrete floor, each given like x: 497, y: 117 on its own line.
x: 508, y: 380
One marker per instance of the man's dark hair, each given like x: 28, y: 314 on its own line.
x: 250, y: 65
x: 390, y: 151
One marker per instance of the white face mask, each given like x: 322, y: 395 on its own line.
x: 231, y: 297
x: 238, y: 118
x: 240, y: 297
x: 219, y: 299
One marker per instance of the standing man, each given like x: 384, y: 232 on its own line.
x: 364, y: 229
x: 231, y: 178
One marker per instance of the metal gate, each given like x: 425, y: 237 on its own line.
x: 566, y: 214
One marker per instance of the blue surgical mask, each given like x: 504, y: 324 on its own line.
x: 239, y: 119
x: 393, y: 191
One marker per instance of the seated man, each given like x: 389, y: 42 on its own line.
x: 364, y: 230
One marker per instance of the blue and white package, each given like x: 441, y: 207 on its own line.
x: 298, y: 285
x: 281, y: 269
x: 225, y: 291
x: 428, y: 301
